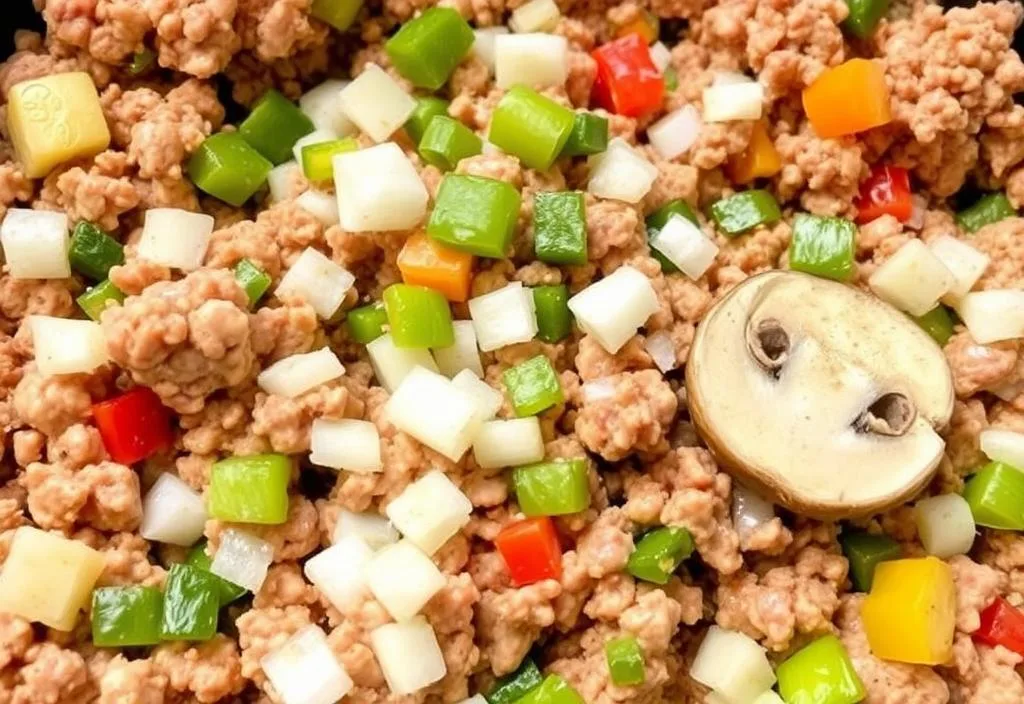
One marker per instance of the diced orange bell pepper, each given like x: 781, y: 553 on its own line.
x: 425, y: 262
x: 758, y: 160
x: 849, y: 98
x: 910, y: 614
x: 645, y: 24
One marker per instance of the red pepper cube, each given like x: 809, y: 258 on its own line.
x: 134, y: 425
x: 627, y: 83
x: 531, y: 551
x: 1002, y: 624
x: 886, y: 191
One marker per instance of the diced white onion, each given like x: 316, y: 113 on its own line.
x: 966, y: 263
x: 172, y: 512
x: 945, y: 525
x: 1003, y: 446
x: 733, y: 101
x: 675, y: 133
x: 175, y: 238
x: 919, y: 206
x: 504, y: 317
x: 408, y: 655
x: 430, y: 511
x: 376, y: 103
x: 994, y: 315
x: 463, y: 354
x: 242, y: 559
x: 537, y: 60
x: 64, y: 346
x: 486, y: 398
x: 1009, y: 391
x: 378, y: 190
x: 391, y: 364
x: 295, y: 375
x: 483, y: 44
x: 352, y: 445
x: 733, y: 665
x: 614, y: 308
x: 769, y: 697
x: 35, y: 244
x: 620, y: 173
x: 318, y: 281
x: 663, y: 352
x: 913, y: 279
x: 661, y: 57
x: 722, y: 77
x: 509, y: 443
x: 428, y: 407
x: 317, y: 136
x: 597, y: 390
x: 322, y: 206
x: 304, y: 670
x: 535, y: 16
x: 475, y: 699
x: 283, y: 179
x: 750, y: 511
x: 403, y: 579
x: 322, y: 105
x: 338, y: 570
x: 686, y: 245
x: 490, y: 150
x: 372, y: 528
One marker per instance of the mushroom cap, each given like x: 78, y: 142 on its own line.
x: 822, y: 396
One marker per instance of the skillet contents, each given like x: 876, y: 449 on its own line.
x: 512, y: 353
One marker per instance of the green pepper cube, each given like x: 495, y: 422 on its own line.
x: 191, y: 603
x: 820, y: 673
x: 227, y: 591
x: 447, y: 142
x: 228, y: 168
x: 418, y: 316
x: 589, y: 135
x: 864, y: 552
x: 126, y: 616
x: 560, y: 228
x: 92, y: 252
x: 743, y: 211
x: 475, y: 214
x: 318, y: 159
x: 427, y: 108
x: 938, y: 323
x: 659, y: 553
x: 516, y: 685
x: 625, y: 661
x: 428, y: 48
x: 864, y: 16
x: 671, y: 79
x: 533, y: 386
x: 658, y: 219
x: 555, y: 488
x: 996, y: 496
x: 366, y: 323
x: 141, y: 61
x: 274, y: 126
x: 96, y: 299
x: 254, y: 280
x: 531, y: 127
x: 250, y: 489
x: 340, y: 14
x: 822, y: 246
x: 554, y: 322
x: 985, y: 211
x: 553, y: 690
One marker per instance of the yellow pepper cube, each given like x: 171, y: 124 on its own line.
x: 48, y: 578
x: 910, y: 614
x: 55, y: 119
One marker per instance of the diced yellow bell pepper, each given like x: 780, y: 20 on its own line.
x: 910, y: 613
x: 55, y: 119
x: 47, y: 578
x: 758, y: 160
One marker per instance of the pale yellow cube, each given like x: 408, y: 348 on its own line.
x: 48, y: 578
x: 55, y: 119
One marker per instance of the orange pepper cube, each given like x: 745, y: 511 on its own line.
x: 847, y: 99
x: 758, y: 160
x: 425, y: 262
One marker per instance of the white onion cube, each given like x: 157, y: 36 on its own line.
x: 242, y: 559
x: 64, y: 346
x: 338, y: 570
x: 733, y: 101
x: 378, y: 190
x: 35, y: 244
x: 318, y: 281
x: 426, y: 406
x: 1003, y: 446
x: 475, y: 699
x: 463, y: 354
x: 620, y: 173
x: 769, y: 697
x: 295, y: 375
x: 172, y: 512
x: 376, y: 103
x: 392, y: 364
x: 430, y: 511
x: 372, y: 528
x: 675, y: 133
x: 409, y: 655
x: 284, y: 181
x: 508, y: 443
x: 536, y: 60
x: 486, y: 398
x: 966, y: 263
x: 662, y: 350
x: 175, y: 238
x: 661, y: 57
x: 535, y: 16
x: 993, y: 315
x: 733, y: 665
x: 352, y: 445
x: 322, y: 206
x: 304, y: 670
x: 945, y: 525
x: 686, y: 245
x: 403, y: 579
x: 504, y: 317
x: 750, y: 510
x: 913, y: 279
x: 322, y: 105
x: 614, y: 308
x: 483, y: 44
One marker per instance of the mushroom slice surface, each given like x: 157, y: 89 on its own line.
x: 822, y: 396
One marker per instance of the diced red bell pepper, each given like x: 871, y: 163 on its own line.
x: 627, y: 83
x: 531, y: 551
x: 134, y: 425
x: 1002, y: 624
x: 886, y: 191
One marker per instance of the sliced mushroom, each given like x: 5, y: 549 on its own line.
x: 821, y: 396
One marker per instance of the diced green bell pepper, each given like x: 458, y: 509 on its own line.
x: 743, y: 211
x: 274, y: 126
x: 865, y: 551
x: 318, y: 159
x: 554, y: 488
x: 141, y: 62
x: 985, y: 211
x: 92, y: 252
x: 96, y: 299
x: 531, y: 127
x: 516, y: 685
x: 475, y: 214
x: 659, y: 553
x: 250, y: 489
x: 191, y: 603
x: 366, y: 323
x: 820, y: 673
x: 533, y: 386
x: 428, y: 48
x: 427, y: 108
x: 447, y: 142
x: 823, y: 246
x: 126, y: 616
x: 589, y: 135
x: 996, y: 496
x: 418, y: 316
x: 228, y: 591
x: 625, y: 661
x: 254, y: 280
x: 658, y: 219
x: 227, y: 167
x: 671, y: 79
x: 864, y: 16
x: 938, y: 323
x: 554, y: 321
x: 340, y: 14
x: 553, y: 690
x: 560, y: 228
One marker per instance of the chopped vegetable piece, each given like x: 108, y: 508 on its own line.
x: 530, y: 126
x: 175, y: 238
x: 508, y: 443
x: 913, y: 279
x: 338, y: 571
x: 322, y: 105
x: 403, y: 579
x: 659, y: 553
x: 740, y: 212
x: 191, y: 603
x: 945, y: 525
x: 671, y: 79
x: 340, y: 14
x: 516, y: 685
x: 560, y: 228
x: 554, y: 322
x: 484, y: 44
x: 733, y: 665
x: 366, y: 323
x: 659, y: 218
x: 172, y: 512
x: 643, y: 23
x: 141, y: 61
x: 96, y: 299
x: 864, y: 16
x: 486, y: 398
x: 66, y: 346
x: 318, y: 158
x: 242, y: 559
x: 408, y: 654
x: 304, y: 669
x: 126, y: 616
x: 865, y: 551
x: 392, y: 364
x: 379, y: 190
x: 254, y: 280
x: 625, y: 661
x: 554, y: 488
x: 614, y: 308
x: 447, y: 142
x: 427, y: 48
x: 322, y: 206
x: 729, y: 101
x: 885, y: 192
x: 425, y: 262
x: 345, y: 444
x: 966, y: 263
x: 938, y: 323
x: 200, y: 559
x: 430, y: 511
x: 620, y: 173
x: 318, y: 280
x: 377, y: 103
x: 553, y: 690
x: 533, y: 386
x: 759, y: 160
x: 250, y: 489
x: 850, y: 98
x: 820, y: 673
x: 274, y: 126
x: 418, y: 316
x: 535, y: 16
x: 627, y: 83
x: 993, y: 315
x: 538, y: 60
x: 227, y: 167
x: 1002, y: 624
x: 985, y: 211
x: 589, y: 135
x: 503, y: 317
x: 530, y: 550
x: 1002, y: 445
x: 475, y: 214
x: 463, y: 355
x: 92, y: 252
x: 429, y: 407
x: 822, y: 246
x: 685, y: 247
x: 35, y: 244
x: 134, y: 425
x: 675, y: 133
x: 427, y: 108
x: 996, y: 496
